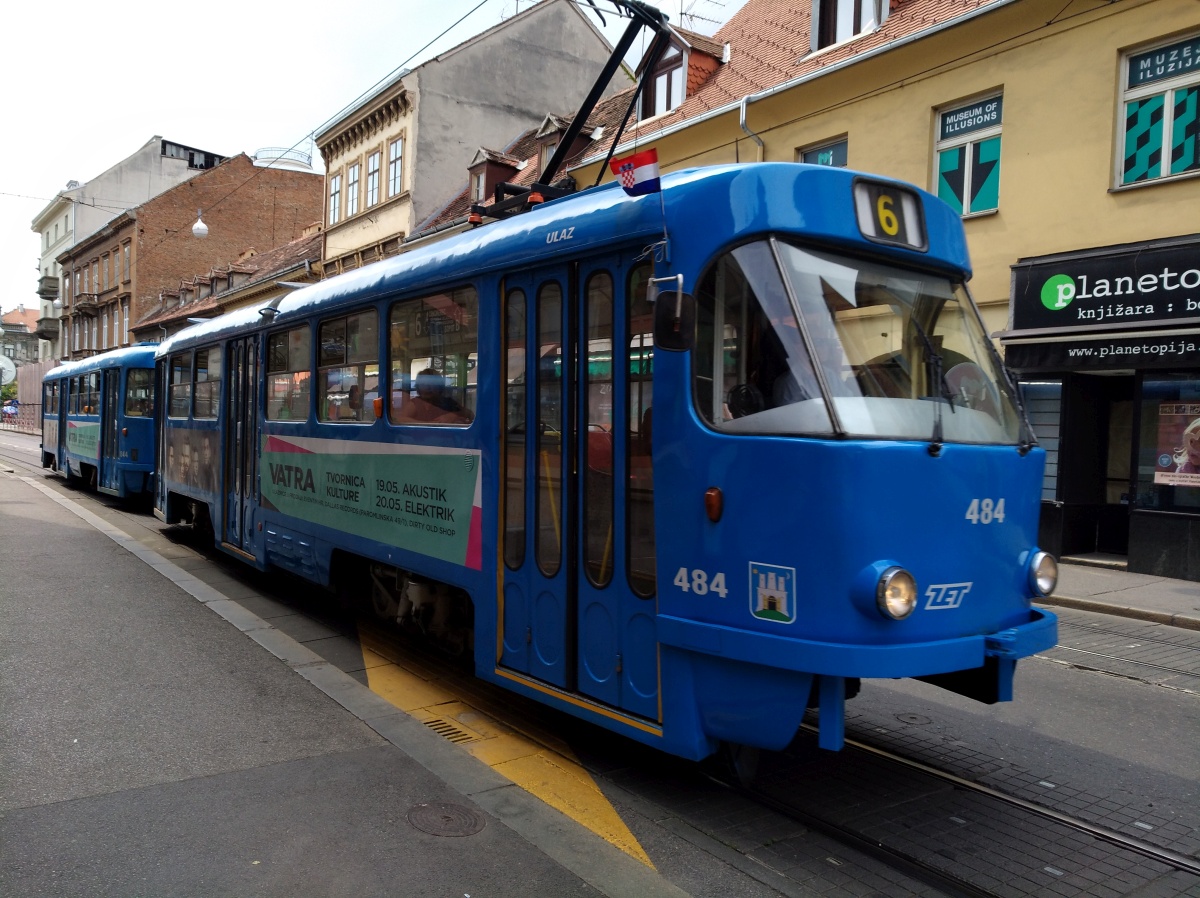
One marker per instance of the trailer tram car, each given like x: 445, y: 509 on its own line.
x: 683, y: 464
x: 98, y: 421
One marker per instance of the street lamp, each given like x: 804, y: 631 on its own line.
x: 199, y: 229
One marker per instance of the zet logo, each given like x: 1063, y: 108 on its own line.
x: 1058, y: 292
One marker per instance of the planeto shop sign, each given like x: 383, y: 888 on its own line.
x: 1129, y: 287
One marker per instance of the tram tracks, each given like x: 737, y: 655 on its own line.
x: 961, y: 837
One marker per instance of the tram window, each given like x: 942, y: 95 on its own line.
x: 180, y: 389
x: 52, y: 398
x: 598, y: 448
x: 72, y: 385
x: 639, y: 392
x: 289, y: 371
x: 91, y: 393
x: 207, y: 390
x: 348, y: 367
x: 549, y: 429
x: 139, y: 393
x: 514, y: 430
x: 433, y: 350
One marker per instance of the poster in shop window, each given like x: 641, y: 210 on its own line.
x: 1178, y: 462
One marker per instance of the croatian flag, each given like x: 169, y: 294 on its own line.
x: 638, y: 173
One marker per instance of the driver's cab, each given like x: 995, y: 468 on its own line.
x: 793, y: 340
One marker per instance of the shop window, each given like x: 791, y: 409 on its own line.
x: 1043, y: 405
x: 832, y: 153
x: 1169, y: 443
x: 967, y: 155
x: 289, y: 360
x: 1161, y: 122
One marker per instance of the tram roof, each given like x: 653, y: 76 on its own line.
x: 708, y: 207
x: 139, y: 355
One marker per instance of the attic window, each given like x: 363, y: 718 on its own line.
x: 835, y: 21
x: 665, y: 87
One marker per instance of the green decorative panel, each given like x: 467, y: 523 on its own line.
x: 1143, y: 139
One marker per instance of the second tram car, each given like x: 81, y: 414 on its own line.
x: 98, y: 421
x: 685, y: 465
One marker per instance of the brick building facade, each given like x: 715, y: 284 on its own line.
x: 119, y: 275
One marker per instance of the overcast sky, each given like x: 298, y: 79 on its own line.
x: 93, y: 83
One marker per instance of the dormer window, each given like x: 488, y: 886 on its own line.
x: 665, y: 86
x: 546, y: 152
x: 835, y: 21
x: 477, y: 187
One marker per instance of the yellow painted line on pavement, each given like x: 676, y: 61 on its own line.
x: 545, y: 769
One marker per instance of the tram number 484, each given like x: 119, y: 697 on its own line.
x: 985, y: 511
x: 700, y: 582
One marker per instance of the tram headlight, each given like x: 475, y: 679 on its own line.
x: 1043, y: 574
x: 896, y: 593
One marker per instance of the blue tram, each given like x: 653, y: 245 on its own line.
x: 98, y: 421
x: 684, y: 464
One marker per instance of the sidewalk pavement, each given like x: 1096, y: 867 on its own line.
x: 149, y: 749
x: 1118, y: 592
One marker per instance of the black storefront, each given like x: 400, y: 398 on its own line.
x: 1105, y: 344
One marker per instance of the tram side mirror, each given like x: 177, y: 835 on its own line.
x: 674, y: 313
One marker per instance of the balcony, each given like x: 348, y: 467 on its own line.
x: 86, y: 303
x: 47, y: 287
x: 47, y: 328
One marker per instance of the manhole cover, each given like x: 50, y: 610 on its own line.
x: 445, y: 819
x: 917, y: 719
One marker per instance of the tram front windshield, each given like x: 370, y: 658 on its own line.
x: 794, y: 340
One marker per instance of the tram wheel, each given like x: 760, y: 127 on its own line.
x: 740, y: 761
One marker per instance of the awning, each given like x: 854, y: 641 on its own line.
x: 1046, y: 349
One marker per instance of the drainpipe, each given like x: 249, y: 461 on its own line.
x: 758, y: 140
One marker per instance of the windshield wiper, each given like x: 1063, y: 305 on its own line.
x: 936, y: 375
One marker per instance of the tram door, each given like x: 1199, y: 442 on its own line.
x: 241, y: 444
x: 570, y: 616
x: 109, y: 473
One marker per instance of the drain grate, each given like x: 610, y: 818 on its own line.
x: 447, y: 730
x: 445, y: 819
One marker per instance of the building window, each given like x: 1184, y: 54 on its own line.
x: 372, y: 179
x: 104, y: 329
x: 352, y: 189
x: 477, y: 184
x: 105, y: 271
x: 1161, y: 122
x: 665, y: 88
x: 126, y: 254
x: 396, y: 167
x: 968, y: 155
x: 335, y: 199
x: 825, y: 154
x: 125, y: 321
x: 835, y: 21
